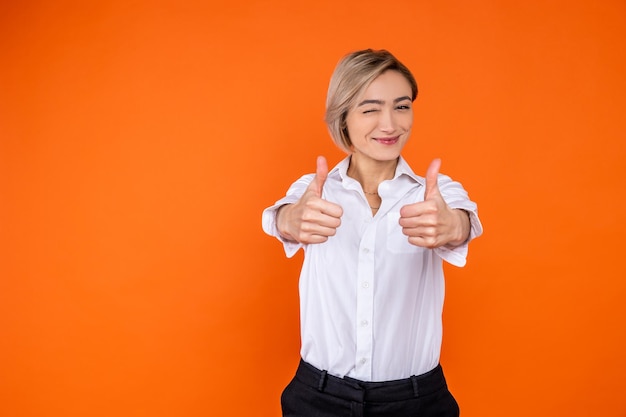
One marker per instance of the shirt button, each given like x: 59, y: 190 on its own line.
x: 363, y: 361
x: 366, y: 284
x: 364, y: 323
x: 365, y: 250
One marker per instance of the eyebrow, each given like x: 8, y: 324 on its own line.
x: 397, y: 100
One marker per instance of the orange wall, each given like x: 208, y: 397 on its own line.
x: 140, y: 141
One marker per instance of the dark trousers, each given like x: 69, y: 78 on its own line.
x: 314, y: 393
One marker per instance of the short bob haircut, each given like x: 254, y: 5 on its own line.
x: 352, y: 75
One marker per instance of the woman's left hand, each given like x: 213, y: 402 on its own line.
x: 432, y: 223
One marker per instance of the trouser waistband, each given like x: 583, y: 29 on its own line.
x: 387, y: 391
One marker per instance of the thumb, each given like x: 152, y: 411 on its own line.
x: 320, y: 175
x: 432, y: 174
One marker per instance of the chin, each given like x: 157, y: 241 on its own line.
x: 387, y: 157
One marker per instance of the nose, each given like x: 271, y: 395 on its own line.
x: 387, y: 121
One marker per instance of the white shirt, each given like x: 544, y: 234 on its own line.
x: 371, y: 302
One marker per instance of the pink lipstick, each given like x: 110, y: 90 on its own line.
x: 388, y: 141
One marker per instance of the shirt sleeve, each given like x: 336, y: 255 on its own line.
x: 269, y: 214
x: 457, y: 198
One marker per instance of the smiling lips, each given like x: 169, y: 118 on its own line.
x: 388, y: 141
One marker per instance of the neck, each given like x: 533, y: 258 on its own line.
x: 370, y: 173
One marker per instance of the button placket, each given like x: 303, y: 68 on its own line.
x: 365, y: 304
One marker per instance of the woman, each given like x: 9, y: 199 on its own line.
x: 374, y: 235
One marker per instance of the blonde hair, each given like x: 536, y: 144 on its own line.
x: 352, y: 75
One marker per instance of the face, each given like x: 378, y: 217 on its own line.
x: 380, y: 123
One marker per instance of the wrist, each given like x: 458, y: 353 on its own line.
x: 463, y: 228
x: 281, y: 222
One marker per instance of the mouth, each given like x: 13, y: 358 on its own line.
x: 388, y: 140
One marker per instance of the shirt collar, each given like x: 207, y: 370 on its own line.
x: 340, y: 171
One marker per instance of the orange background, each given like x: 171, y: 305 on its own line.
x: 140, y: 141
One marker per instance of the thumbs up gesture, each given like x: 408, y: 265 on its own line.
x: 311, y: 219
x: 431, y: 223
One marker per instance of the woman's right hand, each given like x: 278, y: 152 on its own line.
x: 311, y: 219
